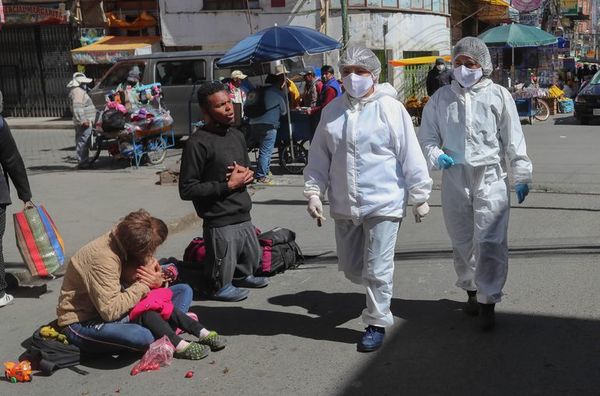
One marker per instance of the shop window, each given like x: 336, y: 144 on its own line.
x: 356, y: 3
x: 389, y: 3
x: 118, y: 75
x: 277, y: 3
x: 180, y: 72
x: 229, y: 4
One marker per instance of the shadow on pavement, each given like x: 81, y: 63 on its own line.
x: 333, y: 309
x: 301, y: 202
x: 438, y: 350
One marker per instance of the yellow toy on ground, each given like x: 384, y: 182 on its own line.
x: 18, y: 372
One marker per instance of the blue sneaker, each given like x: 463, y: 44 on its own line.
x: 372, y: 339
x: 252, y: 282
x: 230, y: 293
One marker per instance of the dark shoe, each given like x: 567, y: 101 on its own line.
x: 193, y: 351
x: 230, y: 293
x: 371, y: 339
x: 84, y: 165
x: 487, y: 317
x: 214, y: 341
x: 471, y: 307
x: 252, y: 282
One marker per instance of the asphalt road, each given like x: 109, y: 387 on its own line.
x: 298, y: 336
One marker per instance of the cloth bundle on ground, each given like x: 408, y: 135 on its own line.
x: 39, y: 241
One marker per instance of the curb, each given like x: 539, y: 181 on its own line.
x: 47, y: 126
x: 183, y: 223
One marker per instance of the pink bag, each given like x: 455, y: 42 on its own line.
x: 159, y: 354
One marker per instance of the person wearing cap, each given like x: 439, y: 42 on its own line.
x: 310, y: 97
x: 365, y: 156
x: 438, y: 76
x: 236, y: 93
x: 84, y: 115
x: 330, y: 90
x: 312, y: 88
x: 471, y: 131
x: 293, y: 92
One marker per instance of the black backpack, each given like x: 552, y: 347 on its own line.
x: 113, y: 120
x: 49, y: 355
x: 255, y: 106
x: 280, y: 251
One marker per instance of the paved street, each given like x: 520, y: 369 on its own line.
x: 297, y: 336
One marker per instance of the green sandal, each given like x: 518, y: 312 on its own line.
x: 214, y: 341
x: 193, y: 351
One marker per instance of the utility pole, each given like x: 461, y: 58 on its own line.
x: 345, y: 32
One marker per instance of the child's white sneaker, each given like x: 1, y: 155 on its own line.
x: 6, y: 299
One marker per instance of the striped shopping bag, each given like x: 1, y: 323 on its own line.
x: 39, y: 241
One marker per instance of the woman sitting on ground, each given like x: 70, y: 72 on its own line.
x: 93, y: 307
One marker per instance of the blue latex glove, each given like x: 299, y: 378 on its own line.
x: 445, y: 161
x: 522, y: 190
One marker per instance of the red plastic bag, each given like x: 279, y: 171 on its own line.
x: 159, y: 354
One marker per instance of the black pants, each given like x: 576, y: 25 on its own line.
x: 2, y: 227
x: 160, y: 327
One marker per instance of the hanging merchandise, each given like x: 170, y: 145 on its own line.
x: 526, y: 5
x: 143, y: 21
x: 2, y: 20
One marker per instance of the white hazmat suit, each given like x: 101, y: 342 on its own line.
x: 366, y: 156
x: 479, y: 128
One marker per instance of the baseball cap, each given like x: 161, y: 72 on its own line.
x: 238, y: 74
x: 308, y: 70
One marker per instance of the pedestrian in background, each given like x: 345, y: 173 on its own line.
x: 438, y: 76
x: 236, y: 93
x: 84, y: 115
x: 312, y: 87
x: 331, y: 89
x: 468, y: 129
x: 366, y: 157
x: 264, y: 127
x: 13, y: 168
x: 310, y: 97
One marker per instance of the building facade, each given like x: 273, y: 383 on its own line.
x: 393, y: 29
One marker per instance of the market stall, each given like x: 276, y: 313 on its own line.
x: 523, y: 50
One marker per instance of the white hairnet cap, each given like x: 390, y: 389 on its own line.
x: 476, y: 49
x: 363, y: 57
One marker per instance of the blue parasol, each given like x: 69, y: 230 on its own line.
x: 277, y: 43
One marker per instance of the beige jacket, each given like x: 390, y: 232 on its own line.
x: 92, y: 285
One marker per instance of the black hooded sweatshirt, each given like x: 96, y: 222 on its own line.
x: 202, y: 180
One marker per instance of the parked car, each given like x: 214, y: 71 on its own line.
x: 179, y: 73
x: 587, y: 102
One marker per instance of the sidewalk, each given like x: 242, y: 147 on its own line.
x: 49, y: 123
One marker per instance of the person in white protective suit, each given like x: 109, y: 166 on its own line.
x: 469, y: 129
x: 365, y: 155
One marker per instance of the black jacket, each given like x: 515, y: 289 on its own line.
x: 13, y: 166
x: 203, y: 180
x: 437, y: 79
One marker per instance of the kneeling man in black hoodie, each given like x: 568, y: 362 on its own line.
x: 215, y: 170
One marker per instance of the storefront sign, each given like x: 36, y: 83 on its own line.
x: 35, y: 14
x: 530, y: 18
x: 569, y: 7
x: 526, y: 5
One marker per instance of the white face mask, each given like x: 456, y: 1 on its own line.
x: 467, y: 77
x: 357, y: 86
x: 441, y: 67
